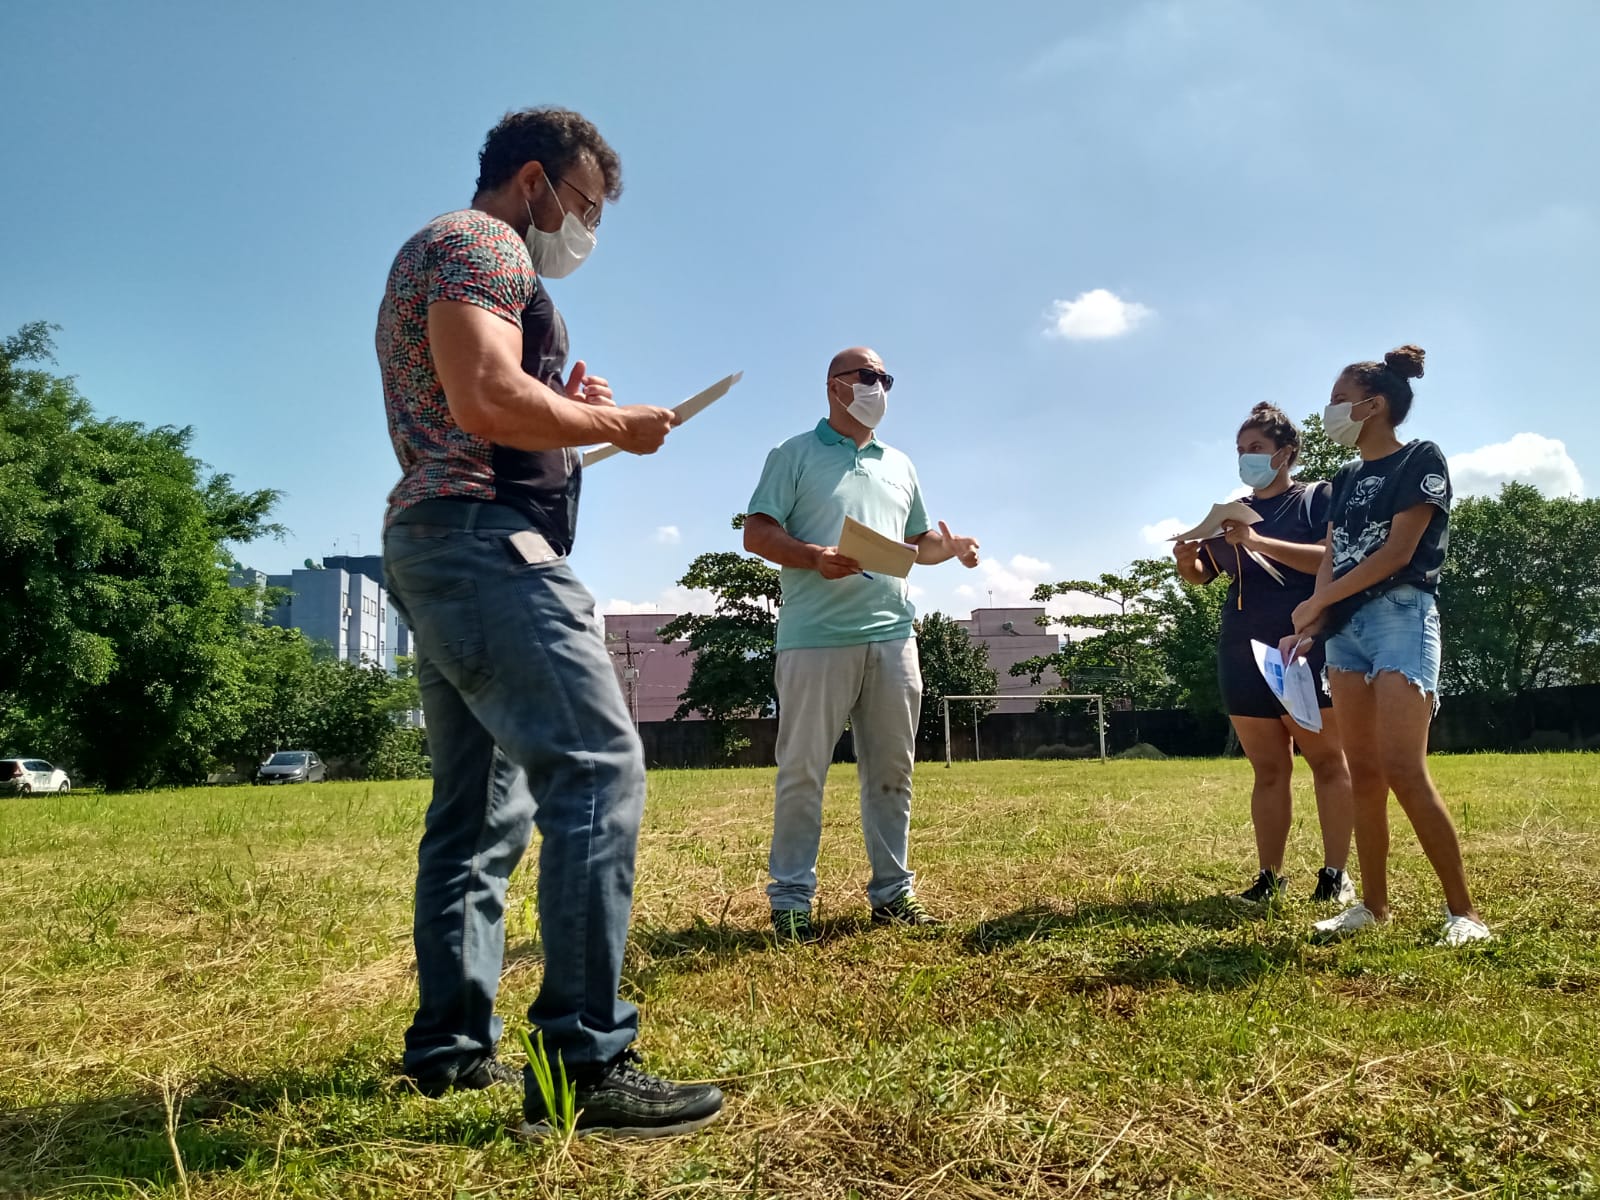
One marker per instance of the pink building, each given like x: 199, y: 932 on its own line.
x: 653, y: 674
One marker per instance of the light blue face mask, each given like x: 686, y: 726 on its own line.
x: 1256, y: 470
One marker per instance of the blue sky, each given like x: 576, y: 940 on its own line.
x: 207, y: 197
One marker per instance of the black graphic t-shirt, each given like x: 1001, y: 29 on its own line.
x: 1366, y: 497
x: 1258, y: 606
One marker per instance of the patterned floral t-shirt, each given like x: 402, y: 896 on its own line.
x: 473, y: 258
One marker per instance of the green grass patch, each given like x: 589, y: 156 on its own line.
x: 202, y: 993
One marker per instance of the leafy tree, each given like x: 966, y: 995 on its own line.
x: 119, y: 634
x: 1156, y: 648
x: 952, y: 665
x: 734, y: 644
x: 1118, y: 657
x: 1320, y: 456
x: 1191, y: 623
x: 297, y: 695
x: 1520, y: 593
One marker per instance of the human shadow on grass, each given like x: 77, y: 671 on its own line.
x: 1139, y: 961
x: 224, y: 1122
x: 1040, y: 922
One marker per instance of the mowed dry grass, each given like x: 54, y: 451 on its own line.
x: 202, y: 993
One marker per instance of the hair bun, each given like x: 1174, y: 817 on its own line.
x: 1406, y: 362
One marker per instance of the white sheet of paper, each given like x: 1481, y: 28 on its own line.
x: 877, y: 554
x: 1293, y: 685
x: 694, y: 405
x: 1211, y: 525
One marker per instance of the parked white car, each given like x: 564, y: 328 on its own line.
x: 20, y: 776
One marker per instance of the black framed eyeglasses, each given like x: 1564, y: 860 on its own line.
x: 589, y: 216
x: 866, y: 376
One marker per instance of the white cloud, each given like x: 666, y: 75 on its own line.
x: 1029, y: 566
x: 1162, y: 531
x: 676, y: 600
x: 914, y: 592
x: 1527, y: 458
x: 668, y: 535
x: 1094, y: 316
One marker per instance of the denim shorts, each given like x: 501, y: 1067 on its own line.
x: 1397, y: 631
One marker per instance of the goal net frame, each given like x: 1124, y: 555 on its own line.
x: 1099, y: 707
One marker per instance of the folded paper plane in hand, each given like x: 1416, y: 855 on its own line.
x: 1211, y: 527
x: 1240, y: 514
x: 876, y: 553
x: 695, y: 404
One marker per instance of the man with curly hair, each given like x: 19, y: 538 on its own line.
x: 525, y: 719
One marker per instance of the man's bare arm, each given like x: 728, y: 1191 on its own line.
x: 478, y: 357
x: 767, y: 539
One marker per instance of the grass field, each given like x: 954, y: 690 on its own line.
x: 202, y: 993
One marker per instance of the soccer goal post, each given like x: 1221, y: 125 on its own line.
x: 1099, y: 716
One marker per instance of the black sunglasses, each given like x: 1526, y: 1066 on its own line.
x: 866, y: 376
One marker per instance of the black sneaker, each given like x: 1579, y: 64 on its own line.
x: 623, y: 1101
x: 905, y: 909
x: 1333, y: 887
x: 1268, y: 886
x: 485, y: 1073
x: 793, y: 925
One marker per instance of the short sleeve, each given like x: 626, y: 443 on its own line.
x: 775, y: 493
x: 1319, y: 508
x: 1424, y: 478
x: 481, y: 263
x: 917, y: 522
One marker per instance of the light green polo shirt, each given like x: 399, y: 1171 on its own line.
x: 809, y: 485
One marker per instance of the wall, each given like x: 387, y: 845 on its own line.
x: 1024, y: 639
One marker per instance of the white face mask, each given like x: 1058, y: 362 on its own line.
x: 1340, y: 426
x: 557, y: 255
x: 870, y: 403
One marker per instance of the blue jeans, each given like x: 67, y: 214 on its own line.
x: 510, y: 655
x: 1397, y: 631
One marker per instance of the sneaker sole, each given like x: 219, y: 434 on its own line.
x: 530, y: 1131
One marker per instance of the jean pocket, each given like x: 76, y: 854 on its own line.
x: 449, y: 629
x: 1406, y: 597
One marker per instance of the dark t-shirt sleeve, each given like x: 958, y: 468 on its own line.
x: 1320, y: 508
x: 1424, y: 479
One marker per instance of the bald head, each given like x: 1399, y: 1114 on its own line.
x: 856, y: 356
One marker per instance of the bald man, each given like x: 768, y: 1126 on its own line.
x: 846, y: 648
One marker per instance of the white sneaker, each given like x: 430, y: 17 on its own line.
x: 1357, y: 916
x: 1460, y: 931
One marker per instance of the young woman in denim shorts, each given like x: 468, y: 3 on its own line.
x: 1272, y: 566
x: 1374, y: 604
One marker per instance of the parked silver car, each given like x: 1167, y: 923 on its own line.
x: 292, y: 766
x: 20, y: 776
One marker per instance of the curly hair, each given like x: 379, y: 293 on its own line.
x: 556, y: 138
x: 1275, y: 423
x: 1390, y: 378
